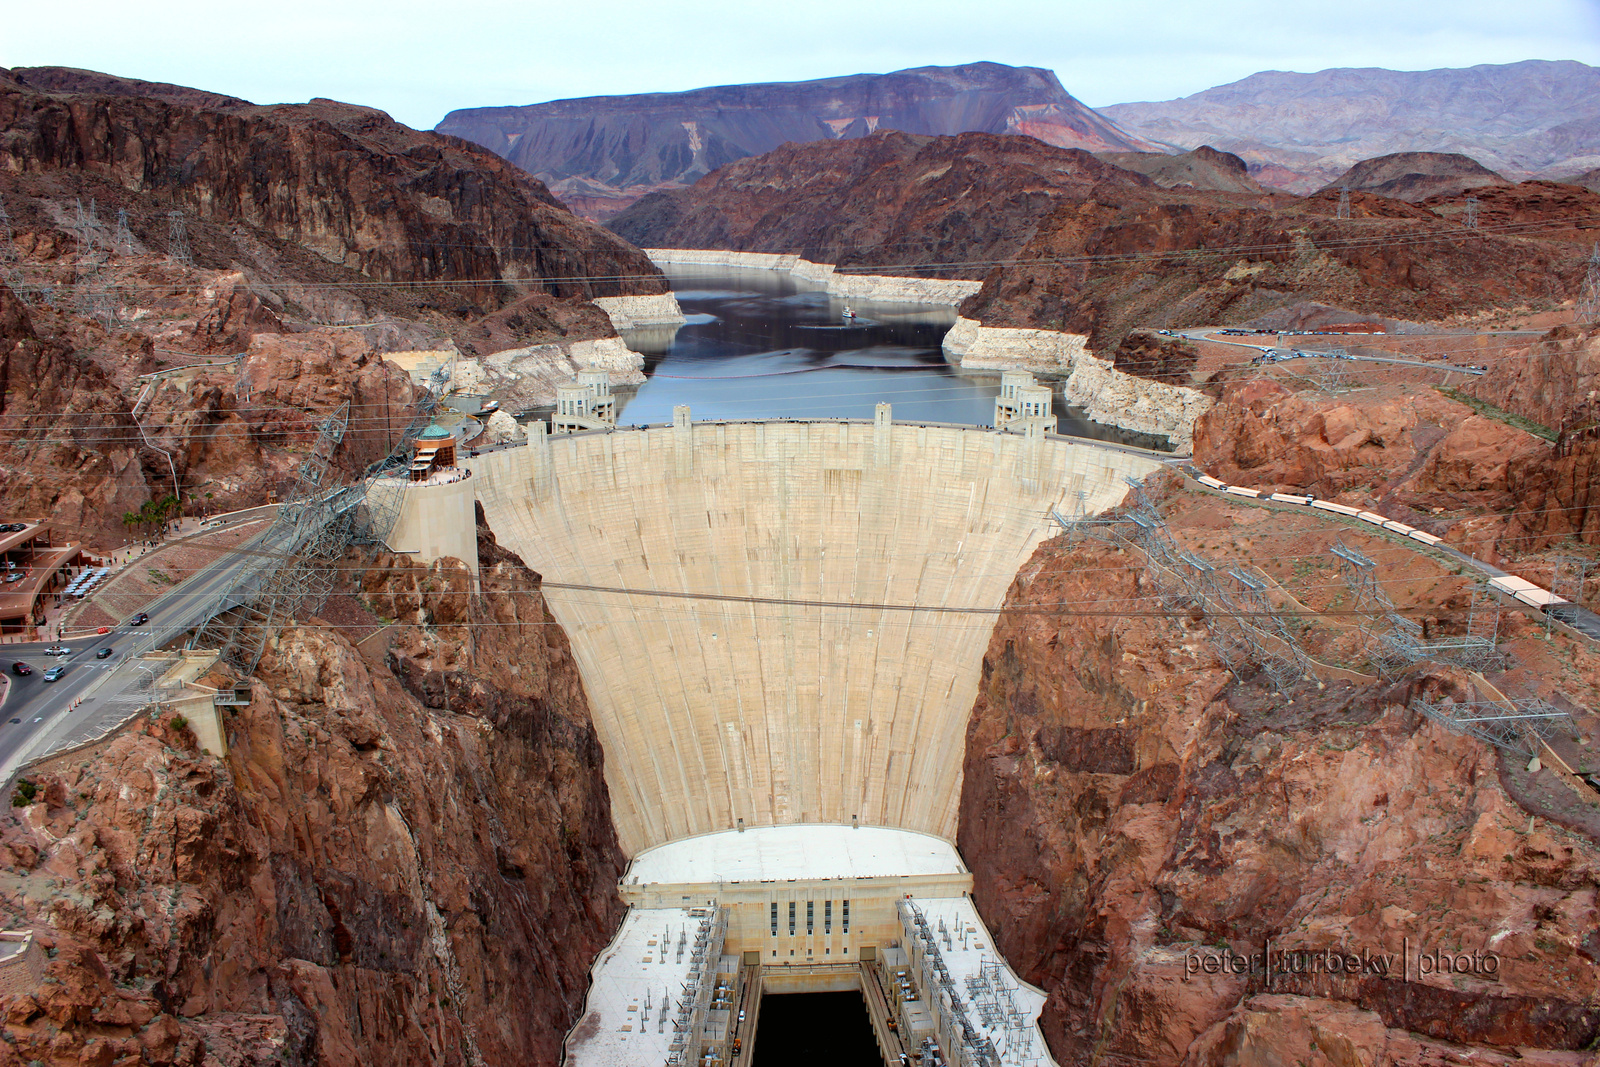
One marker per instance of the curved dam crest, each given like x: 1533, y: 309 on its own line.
x: 716, y: 714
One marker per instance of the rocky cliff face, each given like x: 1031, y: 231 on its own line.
x: 1063, y: 241
x: 347, y: 183
x: 1298, y: 131
x: 68, y: 448
x: 403, y: 860
x: 1409, y: 453
x: 601, y: 153
x: 318, y: 237
x: 70, y: 451
x: 1135, y: 821
x: 1159, y: 358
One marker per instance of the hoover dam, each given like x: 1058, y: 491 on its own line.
x: 857, y: 566
x: 780, y: 626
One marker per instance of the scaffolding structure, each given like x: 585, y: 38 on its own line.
x: 1568, y: 576
x: 1328, y: 373
x: 122, y: 238
x: 178, y: 239
x: 1521, y: 726
x: 293, y: 572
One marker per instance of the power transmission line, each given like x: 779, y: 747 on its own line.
x: 178, y: 238
x: 1588, y: 304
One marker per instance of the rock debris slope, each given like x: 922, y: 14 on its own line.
x: 403, y: 860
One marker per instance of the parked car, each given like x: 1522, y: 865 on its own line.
x: 139, y: 619
x: 104, y: 653
x: 57, y: 650
x: 53, y: 673
x: 22, y: 668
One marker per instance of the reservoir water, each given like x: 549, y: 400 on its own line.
x: 756, y: 346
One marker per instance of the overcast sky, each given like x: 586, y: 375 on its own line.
x: 418, y: 60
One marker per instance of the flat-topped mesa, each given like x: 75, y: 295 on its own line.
x: 600, y: 153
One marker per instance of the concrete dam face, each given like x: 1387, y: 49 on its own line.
x: 807, y: 696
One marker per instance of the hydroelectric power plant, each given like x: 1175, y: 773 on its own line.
x: 780, y: 625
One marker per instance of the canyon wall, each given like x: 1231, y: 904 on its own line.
x: 1133, y: 403
x: 404, y: 859
x: 1130, y: 813
x: 1062, y: 240
x: 347, y: 183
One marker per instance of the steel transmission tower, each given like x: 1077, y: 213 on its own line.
x: 1472, y: 213
x: 178, y: 238
x: 1344, y: 202
x: 8, y: 256
x: 122, y: 239
x: 1588, y: 306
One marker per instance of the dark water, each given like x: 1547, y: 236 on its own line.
x: 815, y: 1029
x: 756, y: 347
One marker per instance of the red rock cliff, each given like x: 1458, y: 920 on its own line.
x: 411, y: 863
x: 1064, y: 241
x: 345, y: 182
x: 1126, y: 807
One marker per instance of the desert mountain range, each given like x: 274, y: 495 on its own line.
x: 1296, y: 132
x: 1299, y: 131
x: 600, y: 153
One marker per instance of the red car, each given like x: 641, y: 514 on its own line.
x: 20, y: 667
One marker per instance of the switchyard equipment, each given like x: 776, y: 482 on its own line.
x: 1522, y: 726
x: 1245, y: 625
x: 1392, y: 642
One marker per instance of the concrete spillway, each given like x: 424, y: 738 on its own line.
x: 769, y: 711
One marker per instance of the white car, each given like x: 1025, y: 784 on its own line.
x: 57, y: 650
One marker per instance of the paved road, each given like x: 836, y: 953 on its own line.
x: 1208, y: 333
x: 38, y: 715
